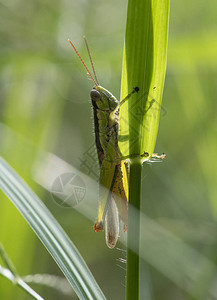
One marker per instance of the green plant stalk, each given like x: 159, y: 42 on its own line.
x: 133, y: 236
x: 144, y: 65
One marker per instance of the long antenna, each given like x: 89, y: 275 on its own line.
x: 76, y: 51
x: 88, y: 50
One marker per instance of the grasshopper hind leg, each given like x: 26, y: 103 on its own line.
x: 111, y: 224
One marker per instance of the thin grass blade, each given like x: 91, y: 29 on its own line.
x: 50, y: 233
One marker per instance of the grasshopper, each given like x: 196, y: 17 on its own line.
x: 114, y: 169
x: 113, y: 180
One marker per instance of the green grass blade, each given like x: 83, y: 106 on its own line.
x: 144, y: 66
x: 50, y: 233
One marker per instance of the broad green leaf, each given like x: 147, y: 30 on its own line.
x: 50, y: 233
x: 144, y: 65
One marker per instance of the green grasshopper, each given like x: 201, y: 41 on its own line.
x: 113, y: 180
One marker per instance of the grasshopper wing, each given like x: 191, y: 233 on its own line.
x: 111, y: 223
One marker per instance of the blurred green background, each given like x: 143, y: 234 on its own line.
x: 45, y: 108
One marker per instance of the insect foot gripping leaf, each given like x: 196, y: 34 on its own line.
x: 113, y: 188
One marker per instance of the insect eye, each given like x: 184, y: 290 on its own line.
x: 95, y: 95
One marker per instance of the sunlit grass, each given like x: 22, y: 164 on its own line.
x: 181, y: 191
